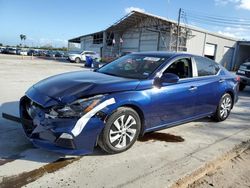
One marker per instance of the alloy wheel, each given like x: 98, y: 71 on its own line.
x: 122, y: 131
x: 225, y: 107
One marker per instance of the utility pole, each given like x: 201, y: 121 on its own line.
x: 178, y: 30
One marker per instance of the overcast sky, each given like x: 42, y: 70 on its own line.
x: 56, y: 21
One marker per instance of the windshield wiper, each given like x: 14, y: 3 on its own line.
x: 111, y: 74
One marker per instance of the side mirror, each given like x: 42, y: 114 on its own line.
x: 169, y: 78
x: 166, y: 78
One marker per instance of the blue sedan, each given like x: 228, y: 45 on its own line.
x: 114, y: 105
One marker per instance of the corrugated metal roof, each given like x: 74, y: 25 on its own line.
x: 78, y: 39
x: 135, y: 17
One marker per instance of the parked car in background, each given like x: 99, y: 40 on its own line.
x: 81, y: 56
x: 4, y: 50
x: 33, y: 52
x: 10, y: 51
x: 1, y: 49
x: 23, y: 52
x: 50, y: 53
x: 244, y: 73
x: 133, y: 95
x: 18, y: 51
x: 42, y: 53
x: 59, y: 54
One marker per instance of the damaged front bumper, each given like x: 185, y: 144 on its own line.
x: 55, y: 133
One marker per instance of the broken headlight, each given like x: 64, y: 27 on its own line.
x: 76, y: 109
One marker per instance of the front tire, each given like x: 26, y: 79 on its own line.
x: 121, y: 131
x: 224, y: 107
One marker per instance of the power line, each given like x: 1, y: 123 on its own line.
x: 215, y: 16
x: 219, y: 22
x: 216, y: 20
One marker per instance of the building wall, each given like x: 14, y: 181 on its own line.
x: 74, y: 46
x: 224, y: 47
x: 195, y: 43
x: 139, y: 38
x: 221, y: 43
x: 149, y: 41
x: 87, y: 44
x: 130, y: 40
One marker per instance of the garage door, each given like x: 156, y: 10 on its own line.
x: 210, y: 51
x: 227, y: 57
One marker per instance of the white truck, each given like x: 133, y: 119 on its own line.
x: 81, y: 56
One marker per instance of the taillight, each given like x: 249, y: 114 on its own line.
x: 237, y: 78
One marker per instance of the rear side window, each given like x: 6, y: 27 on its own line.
x: 206, y: 67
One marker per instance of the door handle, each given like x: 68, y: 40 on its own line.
x: 222, y: 80
x: 192, y: 88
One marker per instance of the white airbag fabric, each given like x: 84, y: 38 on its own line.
x: 80, y: 124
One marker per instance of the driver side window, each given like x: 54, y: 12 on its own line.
x: 181, y: 67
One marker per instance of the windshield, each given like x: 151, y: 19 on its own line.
x: 133, y: 66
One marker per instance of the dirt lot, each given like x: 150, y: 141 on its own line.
x: 157, y: 160
x: 232, y: 173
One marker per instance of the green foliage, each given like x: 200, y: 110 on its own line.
x: 23, y: 37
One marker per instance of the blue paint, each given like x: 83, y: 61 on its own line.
x: 169, y: 105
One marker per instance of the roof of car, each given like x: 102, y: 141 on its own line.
x: 162, y: 53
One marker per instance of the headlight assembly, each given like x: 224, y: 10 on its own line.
x: 77, y: 108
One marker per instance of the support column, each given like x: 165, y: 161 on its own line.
x: 104, y: 44
x: 139, y: 43
x: 158, y: 41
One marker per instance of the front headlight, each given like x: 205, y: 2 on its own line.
x: 77, y: 108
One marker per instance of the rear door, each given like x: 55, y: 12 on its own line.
x: 209, y: 85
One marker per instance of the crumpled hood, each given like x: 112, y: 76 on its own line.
x: 67, y: 87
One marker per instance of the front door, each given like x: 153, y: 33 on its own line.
x: 173, y: 103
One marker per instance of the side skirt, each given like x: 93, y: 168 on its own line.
x: 164, y: 126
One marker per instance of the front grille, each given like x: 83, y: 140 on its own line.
x: 248, y: 73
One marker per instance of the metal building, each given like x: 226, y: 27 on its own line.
x: 139, y: 31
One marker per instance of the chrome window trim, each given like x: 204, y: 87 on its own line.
x: 194, y: 68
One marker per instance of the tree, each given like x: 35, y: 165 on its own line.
x: 1, y: 44
x: 22, y: 37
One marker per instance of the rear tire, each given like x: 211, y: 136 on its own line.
x: 121, y: 131
x: 224, y: 108
x: 242, y: 86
